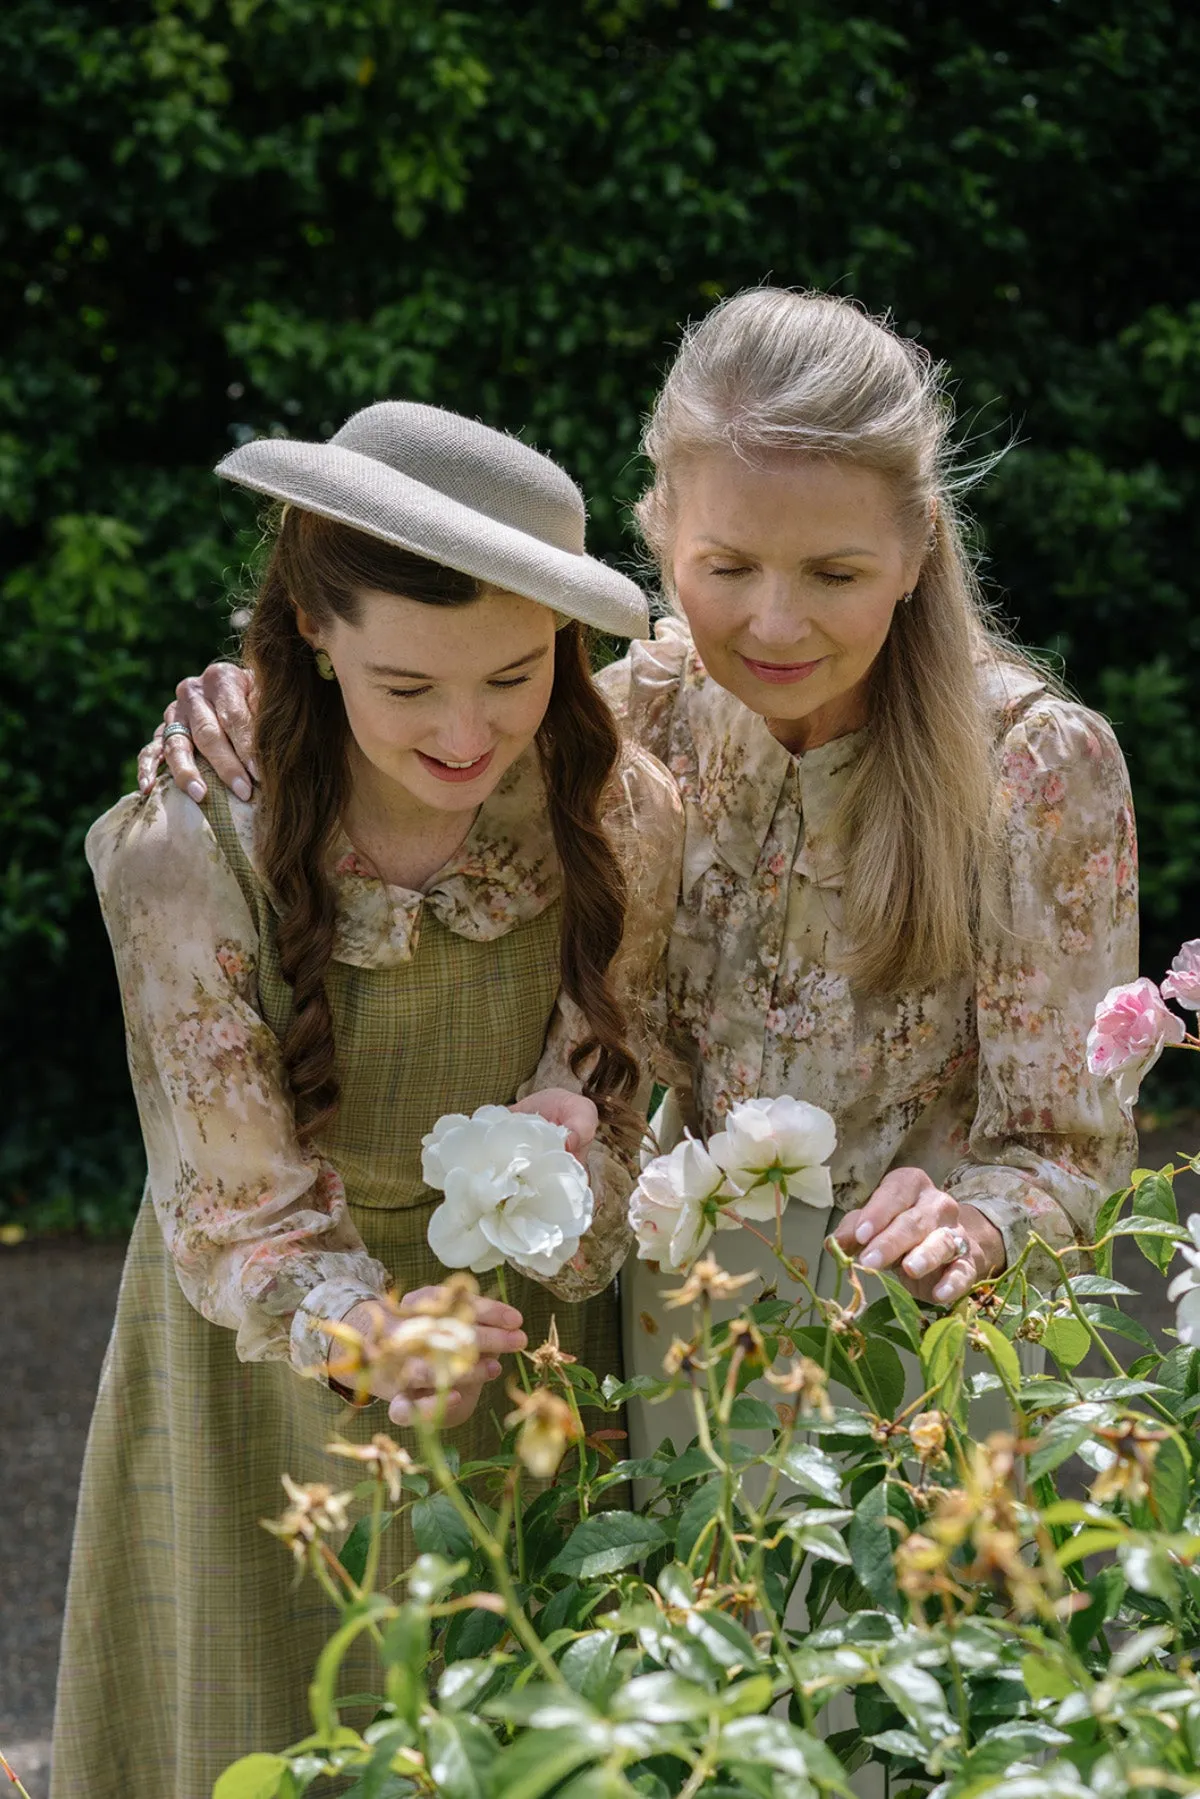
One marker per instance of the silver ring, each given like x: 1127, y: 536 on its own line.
x: 961, y: 1246
x: 176, y: 730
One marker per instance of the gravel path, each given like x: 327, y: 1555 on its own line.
x: 56, y: 1306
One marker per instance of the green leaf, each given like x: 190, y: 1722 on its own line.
x: 942, y: 1356
x: 537, y: 1761
x: 1018, y: 1739
x: 438, y: 1529
x: 1092, y: 1285
x: 1045, y: 1678
x: 821, y: 1542
x: 773, y: 1743
x: 1002, y: 1353
x: 1170, y: 1490
x: 460, y: 1751
x: 1067, y: 1340
x: 919, y: 1696
x: 1108, y: 1318
x: 1105, y: 1220
x: 432, y: 1575
x: 904, y: 1306
x: 1063, y: 1434
x: 1090, y: 1542
x: 606, y: 1542
x: 1148, y: 1569
x: 254, y: 1777
x: 662, y: 1698
x: 748, y: 1413
x: 587, y: 1663
x: 870, y: 1539
x: 696, y: 1520
x: 812, y: 1471
x: 464, y: 1685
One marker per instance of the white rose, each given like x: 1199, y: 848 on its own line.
x: 673, y: 1210
x: 513, y: 1193
x: 776, y: 1143
x: 1186, y: 1288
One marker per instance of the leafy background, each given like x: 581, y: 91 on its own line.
x: 222, y: 217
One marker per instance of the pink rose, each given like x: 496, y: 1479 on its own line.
x: 1183, y: 982
x: 1131, y: 1029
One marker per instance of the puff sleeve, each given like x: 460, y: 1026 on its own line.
x: 1049, y: 1140
x: 257, y: 1227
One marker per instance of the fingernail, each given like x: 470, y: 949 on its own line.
x: 916, y: 1265
x: 144, y: 784
x: 242, y: 788
x: 872, y: 1259
x: 252, y: 768
x: 401, y: 1411
x: 196, y: 790
x: 865, y: 1231
x: 492, y: 1369
x: 943, y: 1291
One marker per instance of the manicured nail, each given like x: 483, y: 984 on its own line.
x: 252, y: 768
x: 242, y: 787
x: 943, y: 1291
x: 401, y: 1411
x: 865, y: 1231
x: 144, y: 783
x: 872, y: 1259
x: 917, y: 1264
x: 491, y: 1370
x: 196, y: 790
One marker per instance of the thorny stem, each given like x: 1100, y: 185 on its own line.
x: 13, y: 1776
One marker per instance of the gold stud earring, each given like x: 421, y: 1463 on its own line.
x: 325, y: 667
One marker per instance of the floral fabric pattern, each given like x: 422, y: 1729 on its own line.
x: 260, y: 1230
x: 983, y: 1083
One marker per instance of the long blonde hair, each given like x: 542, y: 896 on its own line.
x: 774, y: 370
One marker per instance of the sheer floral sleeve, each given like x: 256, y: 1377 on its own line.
x: 1059, y: 927
x: 258, y: 1228
x: 646, y: 822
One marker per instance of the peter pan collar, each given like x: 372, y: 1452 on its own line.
x: 504, y: 873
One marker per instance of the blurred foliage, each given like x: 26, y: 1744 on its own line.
x: 223, y: 217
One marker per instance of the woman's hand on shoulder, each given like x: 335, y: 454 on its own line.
x: 218, y: 709
x: 561, y: 1106
x: 937, y: 1247
x: 411, y: 1388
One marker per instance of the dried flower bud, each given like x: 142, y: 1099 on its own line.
x: 385, y: 1458
x: 928, y: 1434
x: 315, y: 1510
x: 547, y: 1426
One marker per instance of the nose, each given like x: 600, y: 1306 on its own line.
x: 779, y: 615
x: 464, y: 733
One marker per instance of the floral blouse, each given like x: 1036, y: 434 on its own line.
x: 983, y: 1082
x: 259, y: 1228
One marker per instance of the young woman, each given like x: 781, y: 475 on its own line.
x: 431, y: 900
x: 909, y: 866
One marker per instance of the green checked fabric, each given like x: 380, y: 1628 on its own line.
x: 188, y: 1639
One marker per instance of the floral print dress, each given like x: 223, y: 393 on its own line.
x: 982, y: 1082
x: 188, y: 1641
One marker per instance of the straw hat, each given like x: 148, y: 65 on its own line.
x: 457, y: 492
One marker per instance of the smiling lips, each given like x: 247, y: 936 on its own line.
x: 781, y: 673
x: 456, y: 771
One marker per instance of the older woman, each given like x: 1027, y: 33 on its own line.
x: 909, y: 869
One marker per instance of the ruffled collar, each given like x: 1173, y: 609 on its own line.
x: 504, y: 873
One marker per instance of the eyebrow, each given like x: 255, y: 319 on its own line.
x: 708, y: 544
x: 412, y: 674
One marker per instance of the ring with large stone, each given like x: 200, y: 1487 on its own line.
x: 961, y: 1246
x: 176, y: 730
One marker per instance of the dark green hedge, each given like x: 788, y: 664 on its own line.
x: 229, y: 216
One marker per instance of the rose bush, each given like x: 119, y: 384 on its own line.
x: 832, y: 1575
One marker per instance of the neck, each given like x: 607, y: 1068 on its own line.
x: 406, y: 840
x: 838, y: 719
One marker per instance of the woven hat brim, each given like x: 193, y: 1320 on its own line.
x: 366, y: 494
